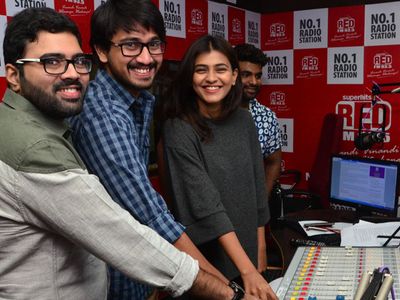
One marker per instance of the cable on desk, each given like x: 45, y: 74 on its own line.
x: 280, y: 250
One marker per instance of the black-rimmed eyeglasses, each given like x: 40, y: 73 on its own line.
x: 134, y: 48
x: 57, y: 65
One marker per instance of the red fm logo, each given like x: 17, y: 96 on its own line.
x: 372, y: 117
x: 197, y: 17
x: 346, y: 24
x: 277, y: 98
x: 383, y: 61
x: 236, y: 25
x: 277, y: 30
x: 309, y: 63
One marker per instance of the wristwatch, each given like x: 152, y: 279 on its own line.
x: 237, y: 289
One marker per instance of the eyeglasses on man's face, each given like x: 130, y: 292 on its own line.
x: 135, y: 48
x: 57, y: 65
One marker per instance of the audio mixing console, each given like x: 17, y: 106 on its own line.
x: 319, y: 273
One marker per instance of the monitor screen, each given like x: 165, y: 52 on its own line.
x: 369, y: 186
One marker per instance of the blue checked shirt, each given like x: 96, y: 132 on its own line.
x: 112, y: 137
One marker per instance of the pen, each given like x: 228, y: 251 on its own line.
x: 325, y: 229
x: 388, y: 236
x: 326, y: 224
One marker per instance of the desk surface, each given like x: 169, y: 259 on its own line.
x: 287, y: 229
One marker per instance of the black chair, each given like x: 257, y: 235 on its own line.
x: 287, y: 198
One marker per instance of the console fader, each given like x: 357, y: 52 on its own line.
x: 318, y: 273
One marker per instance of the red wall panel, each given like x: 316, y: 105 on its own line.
x: 321, y: 61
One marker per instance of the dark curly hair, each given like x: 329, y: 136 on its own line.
x: 114, y: 15
x: 248, y: 52
x: 25, y: 25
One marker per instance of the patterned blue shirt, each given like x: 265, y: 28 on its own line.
x: 269, y: 134
x: 112, y: 137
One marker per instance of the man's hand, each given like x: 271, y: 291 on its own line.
x: 208, y: 286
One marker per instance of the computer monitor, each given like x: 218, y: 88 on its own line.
x: 369, y: 186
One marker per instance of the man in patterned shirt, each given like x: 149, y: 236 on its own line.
x: 251, y: 62
x: 112, y: 132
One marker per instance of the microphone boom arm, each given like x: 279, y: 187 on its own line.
x: 376, y: 88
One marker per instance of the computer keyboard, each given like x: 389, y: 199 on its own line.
x: 304, y: 242
x: 328, y: 239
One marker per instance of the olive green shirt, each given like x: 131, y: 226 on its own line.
x: 58, y: 225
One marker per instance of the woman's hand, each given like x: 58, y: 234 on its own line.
x: 255, y: 284
x: 250, y: 297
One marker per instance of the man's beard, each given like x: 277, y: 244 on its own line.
x: 246, y: 97
x: 136, y: 86
x: 50, y: 104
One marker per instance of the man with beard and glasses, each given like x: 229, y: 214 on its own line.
x: 112, y: 132
x: 251, y: 62
x: 58, y: 225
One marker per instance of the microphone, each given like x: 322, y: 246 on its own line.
x: 365, y: 140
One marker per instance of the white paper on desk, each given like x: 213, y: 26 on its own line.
x: 364, y: 234
x: 337, y: 225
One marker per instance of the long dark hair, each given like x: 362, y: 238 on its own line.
x: 180, y: 101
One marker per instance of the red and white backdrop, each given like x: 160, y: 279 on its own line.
x: 320, y: 61
x: 325, y: 61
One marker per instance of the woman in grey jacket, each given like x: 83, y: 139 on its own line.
x: 214, y: 164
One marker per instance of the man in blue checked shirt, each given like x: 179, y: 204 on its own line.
x: 58, y: 225
x: 112, y: 132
